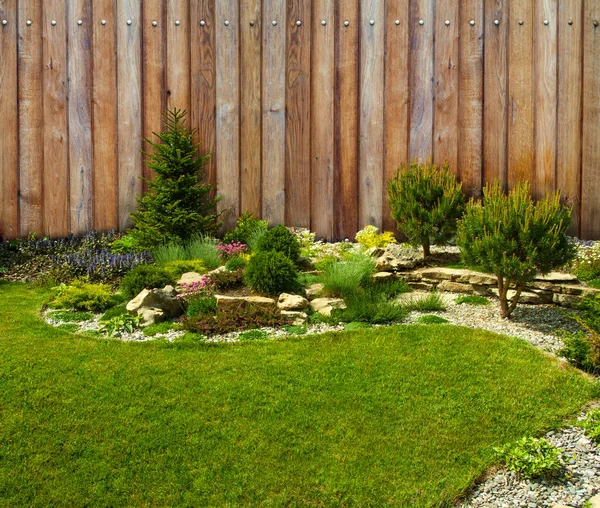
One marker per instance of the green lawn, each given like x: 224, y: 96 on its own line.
x: 401, y: 416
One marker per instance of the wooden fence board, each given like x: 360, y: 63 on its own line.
x: 590, y: 204
x: 396, y: 102
x: 31, y: 125
x: 273, y: 112
x: 370, y: 210
x: 495, y: 112
x: 129, y: 84
x: 297, y: 128
x: 9, y: 145
x: 153, y: 82
x: 104, y: 115
x: 520, y: 93
x: 346, y: 119
x: 421, y: 78
x: 250, y: 106
x: 56, y: 131
x: 203, y: 93
x: 178, y: 55
x: 228, y: 109
x: 445, y: 129
x: 568, y: 138
x: 546, y: 61
x: 470, y: 108
x: 322, y: 118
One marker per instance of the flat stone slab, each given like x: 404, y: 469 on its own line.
x: 525, y: 297
x: 326, y: 305
x: 190, y: 278
x: 228, y: 302
x: 461, y: 275
x: 558, y: 277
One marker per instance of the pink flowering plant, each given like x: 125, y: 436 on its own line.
x: 232, y: 249
x: 202, y: 288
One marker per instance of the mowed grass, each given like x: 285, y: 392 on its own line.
x: 399, y: 416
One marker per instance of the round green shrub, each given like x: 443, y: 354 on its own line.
x: 145, y: 277
x: 271, y: 273
x: 280, y: 239
x: 235, y: 263
x: 82, y: 296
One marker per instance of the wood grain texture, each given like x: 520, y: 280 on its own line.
x: 31, y: 132
x: 9, y: 145
x: 421, y: 78
x: 370, y: 210
x: 250, y: 106
x: 520, y: 93
x: 495, y: 112
x: 273, y: 112
x: 346, y: 119
x: 104, y: 116
x: 129, y: 107
x: 546, y: 62
x: 203, y: 93
x: 568, y: 137
x: 56, y: 130
x: 178, y: 55
x: 590, y: 204
x: 470, y: 105
x: 297, y: 127
x: 228, y: 110
x: 396, y: 97
x: 322, y: 118
x: 445, y: 129
x: 153, y: 82
x: 80, y: 116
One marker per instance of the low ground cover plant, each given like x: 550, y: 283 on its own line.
x: 426, y: 202
x: 472, y: 300
x: 236, y: 263
x: 271, y: 273
x: 532, y: 458
x: 69, y: 316
x: 145, y: 277
x: 591, y: 425
x: 177, y: 268
x: 586, y: 264
x: 431, y: 303
x: 125, y: 323
x: 280, y: 239
x: 515, y: 238
x: 201, y: 305
x: 431, y: 319
x: 82, y: 296
x: 369, y: 237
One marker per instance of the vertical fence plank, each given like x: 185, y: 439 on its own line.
x: 346, y: 119
x: 228, y: 109
x: 129, y: 85
x: 80, y: 116
x: 203, y: 80
x: 31, y: 139
x: 546, y: 60
x: 396, y: 98
x: 445, y: 131
x: 250, y: 112
x: 56, y: 146
x: 297, y: 128
x: 520, y: 93
x: 495, y: 88
x: 421, y: 78
x: 153, y: 53
x: 568, y: 138
x: 371, y: 113
x: 470, y: 108
x: 590, y: 204
x: 178, y: 55
x: 322, y: 118
x: 104, y: 115
x: 273, y: 112
x: 9, y: 145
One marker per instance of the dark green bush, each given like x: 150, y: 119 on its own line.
x: 280, y: 239
x: 246, y: 229
x: 227, y: 279
x: 426, y: 202
x: 235, y: 263
x: 201, y: 305
x: 82, y: 296
x: 515, y: 238
x: 271, y: 273
x: 178, y: 204
x: 145, y: 277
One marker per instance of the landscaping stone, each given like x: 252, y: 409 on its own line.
x: 455, y: 287
x: 314, y: 290
x: 232, y: 302
x: 221, y: 269
x: 383, y: 276
x: 190, y: 278
x: 386, y: 263
x: 326, y: 305
x: 525, y: 297
x: 150, y: 301
x: 557, y: 277
x: 374, y: 252
x: 571, y: 301
x: 291, y: 302
x: 406, y: 258
x: 300, y: 318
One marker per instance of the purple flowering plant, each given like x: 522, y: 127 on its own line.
x: 229, y: 250
x: 198, y: 289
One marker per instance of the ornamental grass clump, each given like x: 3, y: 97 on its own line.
x: 515, y: 238
x: 343, y: 278
x: 426, y: 202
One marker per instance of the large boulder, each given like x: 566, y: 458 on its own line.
x: 155, y: 305
x: 291, y: 302
x: 406, y: 258
x: 326, y: 305
x: 233, y: 302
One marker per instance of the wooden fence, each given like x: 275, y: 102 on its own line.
x: 307, y: 105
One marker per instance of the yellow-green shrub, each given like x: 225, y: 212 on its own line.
x: 369, y: 237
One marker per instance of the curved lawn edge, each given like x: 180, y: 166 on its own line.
x: 388, y: 416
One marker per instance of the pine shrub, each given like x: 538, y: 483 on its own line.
x: 426, y: 202
x: 280, y: 239
x: 145, y: 277
x: 515, y: 238
x: 179, y: 204
x: 271, y: 273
